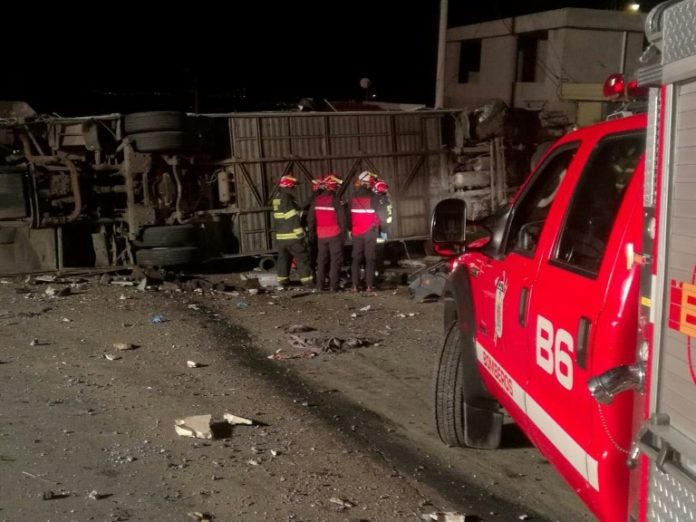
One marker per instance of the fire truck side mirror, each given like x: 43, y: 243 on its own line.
x: 448, y: 226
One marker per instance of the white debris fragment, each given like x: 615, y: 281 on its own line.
x: 354, y: 315
x: 453, y: 517
x: 275, y: 452
x: 448, y: 516
x: 234, y: 419
x: 193, y: 306
x: 196, y: 426
x: 34, y: 342
x: 123, y: 297
x: 110, y: 357
x: 95, y: 495
x: 525, y: 517
x: 341, y: 502
x: 123, y: 283
x: 253, y: 462
x: 201, y: 517
x: 52, y: 292
x: 66, y: 320
x: 121, y: 347
x: 365, y: 308
x: 193, y: 364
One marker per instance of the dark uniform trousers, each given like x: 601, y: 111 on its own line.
x: 364, y: 245
x: 329, y: 248
x: 297, y: 249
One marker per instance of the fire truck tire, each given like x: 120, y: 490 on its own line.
x: 168, y: 236
x: 465, y: 414
x: 158, y: 257
x: 160, y: 141
x: 448, y: 390
x: 154, y: 121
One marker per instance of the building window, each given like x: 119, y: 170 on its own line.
x: 531, y: 56
x: 469, y: 60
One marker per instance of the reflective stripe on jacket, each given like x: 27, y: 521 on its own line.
x: 287, y: 216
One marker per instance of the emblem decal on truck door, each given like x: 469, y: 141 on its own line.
x: 500, y: 288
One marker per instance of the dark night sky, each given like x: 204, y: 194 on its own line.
x: 119, y: 58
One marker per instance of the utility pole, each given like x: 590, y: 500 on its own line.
x: 441, y: 51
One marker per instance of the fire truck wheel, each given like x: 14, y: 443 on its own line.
x: 160, y: 141
x: 168, y: 236
x: 158, y: 257
x: 154, y: 121
x: 449, y: 397
x: 465, y: 414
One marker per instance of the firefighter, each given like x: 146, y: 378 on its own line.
x: 290, y: 236
x: 368, y: 216
x: 327, y: 222
x: 381, y: 190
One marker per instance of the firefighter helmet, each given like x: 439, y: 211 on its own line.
x: 331, y: 182
x: 367, y: 178
x: 287, y: 181
x: 380, y: 187
x: 318, y: 184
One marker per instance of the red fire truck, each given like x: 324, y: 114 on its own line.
x: 584, y: 288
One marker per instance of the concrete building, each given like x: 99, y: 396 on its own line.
x: 555, y: 60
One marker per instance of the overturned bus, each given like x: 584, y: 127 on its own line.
x: 169, y: 188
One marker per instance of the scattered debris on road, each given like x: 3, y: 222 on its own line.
x: 122, y: 347
x: 62, y: 292
x: 298, y: 328
x: 194, y: 364
x: 54, y: 495
x: 345, y: 504
x: 236, y: 420
x: 449, y: 516
x: 318, y: 345
x: 196, y: 426
x: 95, y: 495
x: 204, y: 427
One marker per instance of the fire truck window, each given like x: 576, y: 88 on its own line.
x: 533, y: 207
x: 596, y: 202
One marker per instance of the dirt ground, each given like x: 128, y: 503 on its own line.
x: 343, y: 436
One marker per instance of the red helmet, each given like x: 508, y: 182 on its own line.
x: 381, y: 187
x: 332, y: 182
x: 367, y: 178
x: 287, y: 181
x: 317, y: 185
